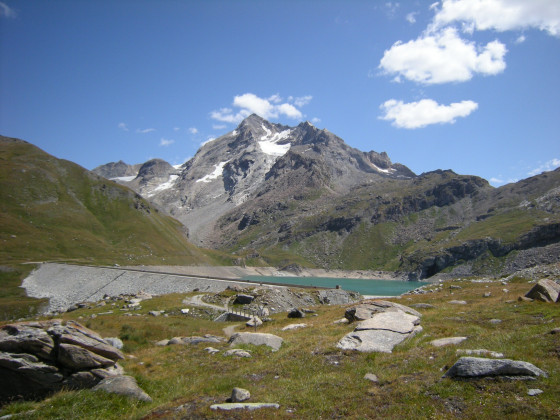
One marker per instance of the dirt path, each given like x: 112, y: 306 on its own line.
x: 197, y: 301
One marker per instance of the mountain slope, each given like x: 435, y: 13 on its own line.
x: 281, y: 195
x: 54, y: 209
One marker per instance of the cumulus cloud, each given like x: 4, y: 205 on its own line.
x: 442, y: 57
x: 411, y: 17
x: 123, y: 126
x: 166, y: 142
x: 501, y: 15
x: 193, y: 130
x: 547, y: 166
x: 425, y: 112
x: 145, y: 130
x: 269, y: 108
x: 7, y: 11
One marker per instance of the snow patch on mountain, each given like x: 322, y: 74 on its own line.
x: 269, y: 142
x: 218, y: 171
x: 123, y: 178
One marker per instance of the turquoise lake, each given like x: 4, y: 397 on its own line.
x: 363, y: 286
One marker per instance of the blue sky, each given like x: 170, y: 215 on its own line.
x: 468, y: 85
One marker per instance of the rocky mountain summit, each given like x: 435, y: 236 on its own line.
x: 300, y: 195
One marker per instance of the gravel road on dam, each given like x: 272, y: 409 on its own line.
x: 65, y: 285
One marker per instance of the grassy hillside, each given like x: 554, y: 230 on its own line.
x: 52, y: 209
x: 309, y: 377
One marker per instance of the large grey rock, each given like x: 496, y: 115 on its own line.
x: 398, y: 321
x: 337, y: 296
x: 476, y: 367
x: 386, y: 327
x: 366, y: 310
x: 257, y: 339
x: 368, y: 341
x: 78, y: 358
x: 296, y: 313
x: 123, y: 385
x: 28, y: 338
x: 545, y: 290
x: 76, y: 334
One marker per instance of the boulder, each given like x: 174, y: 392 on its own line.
x: 545, y: 290
x: 254, y: 322
x: 371, y: 377
x: 366, y: 310
x: 477, y: 367
x: 237, y: 353
x: 243, y: 299
x: 381, y: 333
x: 123, y: 385
x: 296, y: 313
x: 293, y: 327
x: 239, y: 395
x: 78, y: 358
x: 257, y: 339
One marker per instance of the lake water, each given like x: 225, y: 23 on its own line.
x: 363, y: 286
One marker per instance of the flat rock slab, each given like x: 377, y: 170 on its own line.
x: 477, y: 367
x: 480, y: 352
x: 123, y: 385
x: 397, y: 321
x: 257, y: 339
x: 243, y: 406
x: 293, y: 327
x: 458, y: 302
x: 368, y: 341
x: 447, y: 341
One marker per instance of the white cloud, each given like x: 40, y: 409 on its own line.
x: 7, y: 11
x: 501, y: 15
x: 193, y: 130
x: 145, y: 130
x: 442, y: 57
x: 316, y: 120
x: 208, y: 140
x: 520, y: 39
x: 547, y: 166
x: 411, y: 17
x: 166, y: 142
x: 123, y: 126
x: 425, y: 112
x: 269, y: 108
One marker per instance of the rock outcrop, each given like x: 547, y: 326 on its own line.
x: 40, y: 358
x: 545, y: 290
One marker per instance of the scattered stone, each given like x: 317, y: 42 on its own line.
x: 458, y: 302
x: 455, y: 287
x: 293, y: 327
x: 115, y: 342
x: 477, y: 367
x: 342, y: 321
x: 545, y: 290
x: 296, y: 313
x: 254, y: 322
x: 123, y: 385
x: 175, y: 340
x: 308, y: 311
x: 422, y: 306
x: 440, y: 342
x: 533, y: 392
x: 525, y: 299
x: 185, y: 311
x: 239, y: 395
x: 212, y: 350
x: 479, y: 352
x: 155, y: 313
x: 237, y: 353
x: 495, y: 321
x: 257, y: 339
x: 505, y: 290
x: 371, y: 377
x: 555, y: 331
x: 243, y: 406
x: 243, y: 299
x: 487, y: 294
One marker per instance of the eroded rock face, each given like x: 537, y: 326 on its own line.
x: 39, y: 358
